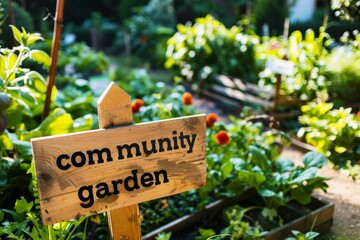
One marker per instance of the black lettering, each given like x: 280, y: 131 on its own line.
x: 59, y: 162
x: 102, y: 190
x: 99, y: 154
x: 82, y: 159
x: 157, y: 179
x: 153, y: 147
x: 88, y: 197
x: 133, y: 179
x: 128, y: 148
x: 161, y: 144
x: 115, y: 185
x: 147, y: 179
x: 182, y: 142
x: 176, y: 146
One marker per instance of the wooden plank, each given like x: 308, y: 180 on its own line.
x: 237, y: 83
x: 244, y: 97
x: 71, y: 184
x: 114, y: 109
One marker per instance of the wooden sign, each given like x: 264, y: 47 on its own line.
x: 280, y: 66
x: 105, y: 169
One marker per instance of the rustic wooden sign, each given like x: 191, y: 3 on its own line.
x: 105, y: 169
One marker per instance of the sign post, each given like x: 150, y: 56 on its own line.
x: 116, y: 167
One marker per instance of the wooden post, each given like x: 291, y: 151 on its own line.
x: 54, y: 54
x: 114, y: 109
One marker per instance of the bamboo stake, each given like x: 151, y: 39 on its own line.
x: 54, y: 54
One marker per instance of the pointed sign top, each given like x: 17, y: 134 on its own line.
x: 114, y: 107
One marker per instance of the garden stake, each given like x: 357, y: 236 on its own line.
x: 119, y: 165
x: 114, y: 109
x: 54, y: 54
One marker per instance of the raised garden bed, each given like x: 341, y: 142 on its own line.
x: 316, y: 216
x: 233, y: 93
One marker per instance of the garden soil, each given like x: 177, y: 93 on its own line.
x: 342, y: 191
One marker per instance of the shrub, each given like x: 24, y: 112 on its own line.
x: 198, y: 52
x: 150, y: 28
x: 334, y: 132
x: 342, y: 71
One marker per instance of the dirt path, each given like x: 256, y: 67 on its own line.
x: 342, y: 191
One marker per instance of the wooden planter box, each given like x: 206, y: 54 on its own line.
x: 316, y: 216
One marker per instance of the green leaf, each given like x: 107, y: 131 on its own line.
x: 300, y: 195
x: 340, y: 149
x: 259, y: 158
x: 40, y: 57
x: 17, y: 34
x: 226, y: 169
x: 206, y: 232
x: 314, y: 159
x: 269, y: 213
x: 22, y: 206
x: 1, y: 216
x: 284, y: 165
x: 251, y: 178
x: 306, y: 175
x: 5, y: 142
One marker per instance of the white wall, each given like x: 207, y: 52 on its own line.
x: 302, y: 11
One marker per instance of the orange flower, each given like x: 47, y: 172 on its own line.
x: 222, y: 138
x: 187, y: 98
x: 136, y: 105
x: 211, y: 118
x: 358, y: 114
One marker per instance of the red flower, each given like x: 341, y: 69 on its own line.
x: 143, y: 39
x: 211, y: 119
x: 222, y: 138
x: 187, y: 98
x: 275, y: 46
x: 358, y: 114
x: 136, y: 105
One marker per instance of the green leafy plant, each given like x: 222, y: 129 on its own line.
x: 150, y: 28
x: 306, y: 53
x: 198, y: 52
x: 79, y: 59
x: 302, y: 236
x: 334, y: 132
x: 341, y: 72
x: 22, y: 95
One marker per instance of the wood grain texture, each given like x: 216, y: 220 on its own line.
x: 58, y: 189
x: 114, y: 109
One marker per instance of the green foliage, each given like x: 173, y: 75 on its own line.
x: 149, y: 29
x: 306, y: 53
x: 334, y: 132
x: 80, y: 59
x: 27, y: 223
x: 22, y: 19
x: 279, y: 11
x: 302, y: 236
x: 164, y: 104
x: 137, y: 82
x: 22, y: 96
x: 342, y: 73
x: 163, y: 236
x: 347, y: 10
x: 198, y: 52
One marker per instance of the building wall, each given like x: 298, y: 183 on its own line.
x: 302, y: 11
